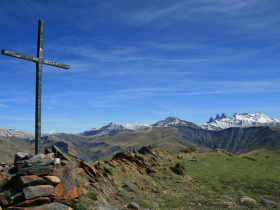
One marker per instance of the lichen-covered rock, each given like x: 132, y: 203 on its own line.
x: 36, y: 170
x: 179, y: 169
x: 33, y: 202
x: 35, y: 161
x: 11, y: 197
x: 29, y: 180
x: 71, y: 185
x: 38, y: 191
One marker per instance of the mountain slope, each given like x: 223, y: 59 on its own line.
x: 111, y: 128
x: 104, y: 146
x: 240, y: 120
x: 236, y: 140
x: 174, y: 122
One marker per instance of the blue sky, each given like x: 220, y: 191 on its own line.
x: 139, y: 61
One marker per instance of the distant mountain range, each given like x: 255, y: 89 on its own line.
x: 240, y: 120
x: 238, y: 134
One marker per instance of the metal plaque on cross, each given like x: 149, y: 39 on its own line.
x: 39, y: 64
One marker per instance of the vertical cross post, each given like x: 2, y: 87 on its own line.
x: 39, y: 64
x: 39, y: 88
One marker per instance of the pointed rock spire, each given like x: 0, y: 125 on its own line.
x: 217, y: 116
x: 210, y: 120
x: 224, y: 116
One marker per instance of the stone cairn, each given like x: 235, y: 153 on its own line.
x: 43, y: 181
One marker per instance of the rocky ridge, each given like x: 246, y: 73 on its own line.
x: 151, y: 177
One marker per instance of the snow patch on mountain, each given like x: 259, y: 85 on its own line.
x: 136, y: 126
x: 9, y: 133
x: 50, y: 132
x: 174, y: 122
x: 240, y: 120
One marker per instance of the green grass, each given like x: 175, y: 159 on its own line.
x: 218, y: 183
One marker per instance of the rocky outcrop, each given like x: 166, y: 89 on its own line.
x: 40, y: 180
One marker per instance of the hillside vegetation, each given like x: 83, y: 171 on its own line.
x: 209, y: 179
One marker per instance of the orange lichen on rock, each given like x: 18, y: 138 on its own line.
x: 33, y: 202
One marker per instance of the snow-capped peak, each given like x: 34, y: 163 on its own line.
x: 8, y: 133
x: 50, y: 132
x: 240, y: 120
x: 136, y: 126
x: 173, y: 121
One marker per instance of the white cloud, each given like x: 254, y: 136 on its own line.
x: 2, y: 105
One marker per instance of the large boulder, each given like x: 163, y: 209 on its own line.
x: 71, y: 185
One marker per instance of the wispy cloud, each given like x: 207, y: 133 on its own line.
x: 2, y: 105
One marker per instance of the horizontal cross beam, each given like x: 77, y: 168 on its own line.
x: 34, y: 59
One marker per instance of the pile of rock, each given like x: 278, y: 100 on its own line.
x: 136, y: 160
x: 47, y: 180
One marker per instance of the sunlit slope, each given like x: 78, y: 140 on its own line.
x: 107, y: 145
x: 236, y: 140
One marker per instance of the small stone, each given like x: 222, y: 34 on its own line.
x: 268, y: 202
x: 64, y: 162
x: 101, y: 199
x: 105, y: 207
x: 133, y: 205
x: 38, y: 191
x: 79, y: 170
x: 246, y: 198
x: 1, y: 168
x: 39, y: 156
x: 50, y: 156
x: 57, y: 161
x: 2, y: 163
x: 52, y: 180
x: 48, y: 150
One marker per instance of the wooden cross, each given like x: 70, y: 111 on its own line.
x: 39, y: 64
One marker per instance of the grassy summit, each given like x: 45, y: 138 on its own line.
x: 214, y: 179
